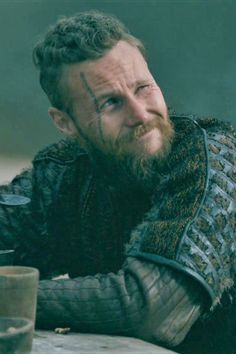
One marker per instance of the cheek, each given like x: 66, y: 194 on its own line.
x: 111, y: 125
x: 157, y: 97
x: 89, y: 122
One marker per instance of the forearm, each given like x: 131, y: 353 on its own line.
x: 144, y: 300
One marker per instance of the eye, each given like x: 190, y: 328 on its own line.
x: 143, y: 87
x: 111, y: 103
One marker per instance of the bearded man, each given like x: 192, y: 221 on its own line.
x: 136, y: 206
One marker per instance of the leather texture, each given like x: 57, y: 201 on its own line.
x: 213, y: 232
x: 143, y: 300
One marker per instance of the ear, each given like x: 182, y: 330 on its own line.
x: 63, y: 122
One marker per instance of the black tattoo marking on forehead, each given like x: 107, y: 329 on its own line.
x: 96, y: 103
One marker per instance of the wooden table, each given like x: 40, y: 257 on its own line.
x: 48, y: 342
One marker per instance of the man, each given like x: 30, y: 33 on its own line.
x: 136, y: 206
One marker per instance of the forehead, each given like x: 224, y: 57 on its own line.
x: 123, y: 65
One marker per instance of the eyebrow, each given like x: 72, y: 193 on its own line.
x: 107, y: 94
x: 111, y: 93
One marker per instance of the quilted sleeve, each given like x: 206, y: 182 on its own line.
x: 144, y: 300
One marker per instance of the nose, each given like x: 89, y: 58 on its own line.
x: 136, y: 112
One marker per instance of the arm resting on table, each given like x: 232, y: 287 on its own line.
x: 145, y: 300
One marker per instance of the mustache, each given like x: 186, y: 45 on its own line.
x: 141, y: 130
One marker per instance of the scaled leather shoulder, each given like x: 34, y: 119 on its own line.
x: 190, y: 196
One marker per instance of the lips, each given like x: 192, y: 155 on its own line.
x: 138, y: 132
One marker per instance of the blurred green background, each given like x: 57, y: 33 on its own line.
x: 192, y: 54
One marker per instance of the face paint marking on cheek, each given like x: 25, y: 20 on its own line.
x: 96, y: 104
